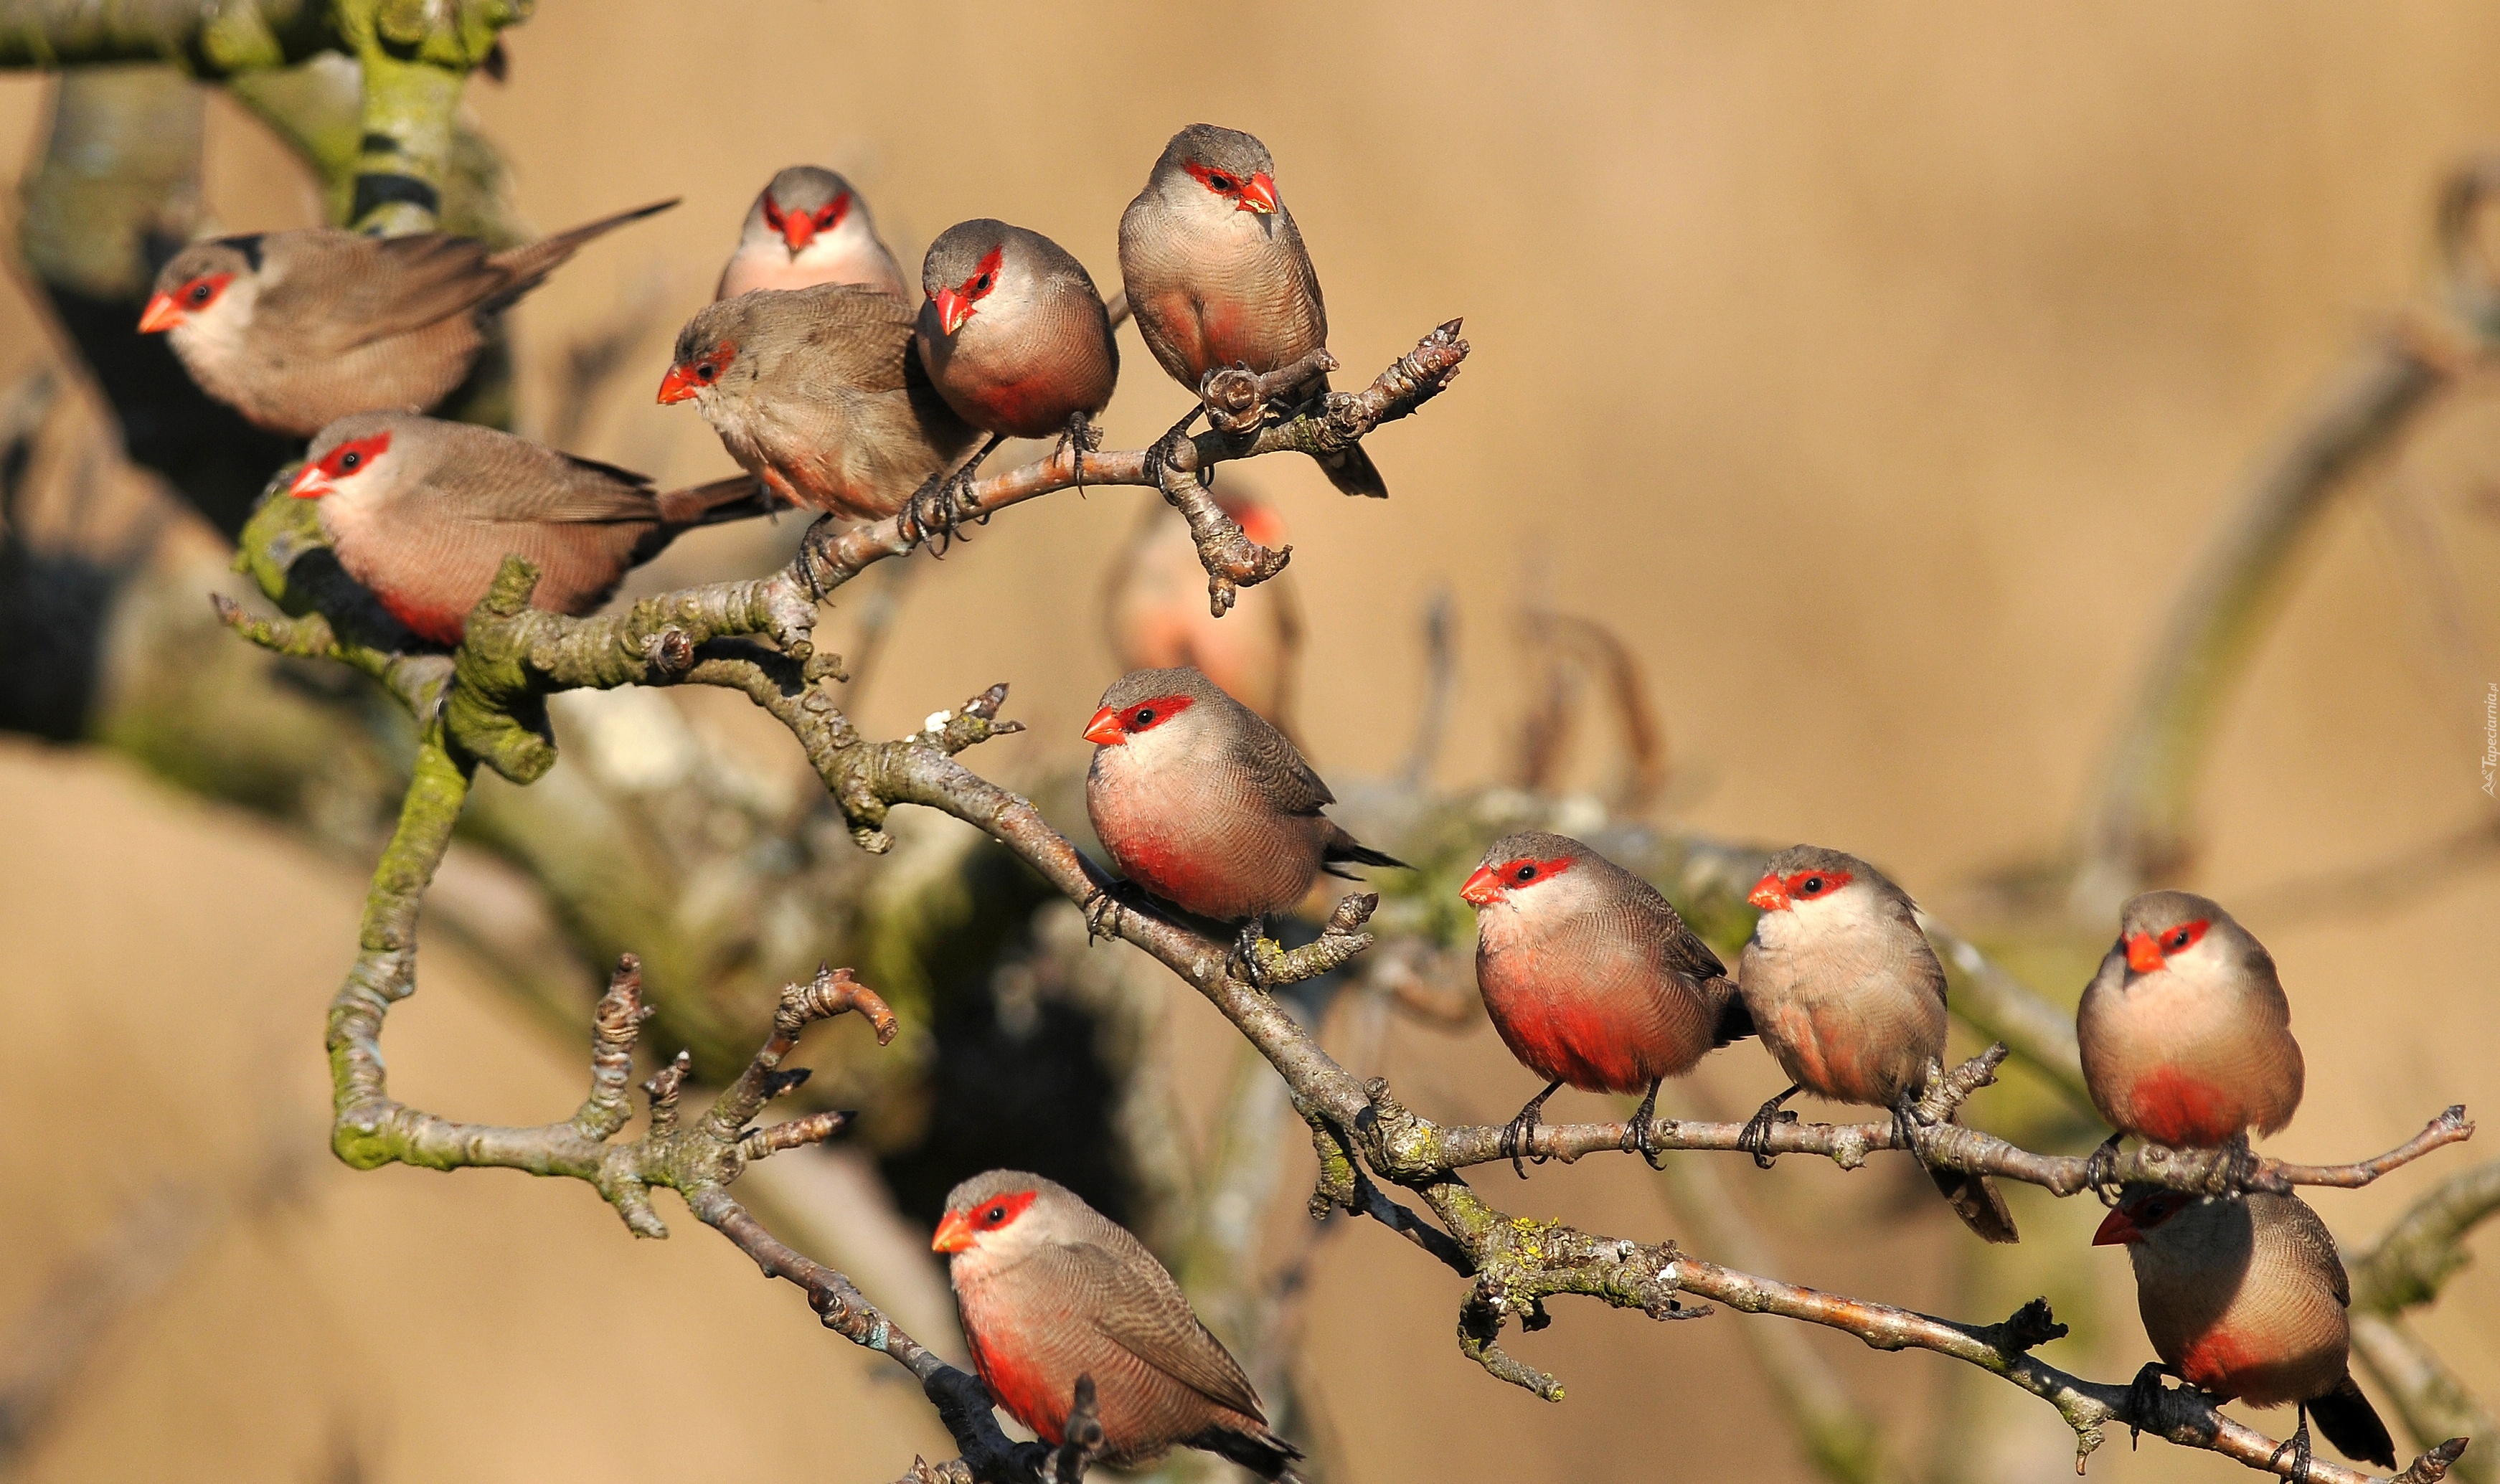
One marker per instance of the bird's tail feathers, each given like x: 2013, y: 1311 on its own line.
x: 1343, y: 850
x: 2352, y: 1424
x: 531, y: 261
x: 1735, y: 1021
x: 1980, y: 1204
x: 1353, y: 473
x: 739, y: 497
x: 1262, y: 1452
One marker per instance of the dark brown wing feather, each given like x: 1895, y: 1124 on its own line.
x: 1136, y: 1305
x: 1271, y: 757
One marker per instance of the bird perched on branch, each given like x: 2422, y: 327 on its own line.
x: 1204, y: 805
x: 819, y: 393
x: 1591, y: 976
x: 423, y: 513
x: 1051, y: 1290
x: 296, y: 330
x: 1155, y: 612
x: 2244, y: 1296
x: 1847, y: 997
x: 1217, y: 274
x: 1015, y: 336
x: 2185, y: 1031
x: 809, y: 227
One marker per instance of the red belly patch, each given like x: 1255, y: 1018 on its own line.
x: 1028, y: 1395
x: 2216, y: 1360
x: 2172, y: 1108
x: 1186, y: 878
x: 443, y: 626
x: 1591, y: 1050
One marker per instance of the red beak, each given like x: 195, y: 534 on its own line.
x: 1769, y: 893
x: 161, y: 314
x: 797, y: 229
x: 953, y: 308
x: 1104, y: 729
x: 310, y: 484
x: 954, y: 1233
x: 2143, y: 954
x: 2116, y: 1228
x: 1258, y: 193
x: 678, y: 386
x: 1484, y: 888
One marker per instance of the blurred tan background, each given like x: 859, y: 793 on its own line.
x: 1878, y: 374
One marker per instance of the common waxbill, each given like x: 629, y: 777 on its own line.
x: 1591, y: 976
x: 423, y: 512
x: 806, y: 228
x: 296, y: 330
x: 2185, y: 1031
x: 1217, y: 276
x: 1155, y: 616
x: 1204, y: 805
x: 1051, y: 1290
x: 1015, y: 336
x: 819, y: 393
x: 2244, y: 1296
x: 1847, y: 997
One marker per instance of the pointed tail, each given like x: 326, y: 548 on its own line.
x: 1343, y: 850
x: 528, y: 263
x: 1353, y: 473
x: 739, y: 497
x: 2352, y: 1424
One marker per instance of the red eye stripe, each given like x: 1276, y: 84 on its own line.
x: 1221, y: 182
x: 985, y: 276
x: 355, y: 455
x: 772, y: 214
x: 1146, y: 715
x: 831, y: 214
x: 1524, y: 872
x: 1808, y: 885
x: 202, y: 291
x: 2186, y: 936
x: 1002, y: 1210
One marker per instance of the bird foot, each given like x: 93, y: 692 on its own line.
x: 2100, y: 1170
x: 1164, y: 453
x: 1082, y: 437
x: 2143, y: 1400
x: 1756, y: 1139
x: 1245, y: 952
x: 815, y: 551
x: 1105, y: 908
x: 2298, y: 1446
x: 1515, y: 1134
x: 938, y: 510
x: 1905, y: 1128
x: 1643, y: 1128
x: 2240, y: 1167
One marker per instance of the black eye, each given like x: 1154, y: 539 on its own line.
x: 997, y: 1213
x: 1222, y: 181
x: 1146, y: 714
x: 199, y: 294
x: 2179, y: 937
x: 707, y: 370
x: 350, y: 460
x: 1812, y: 885
x: 1527, y: 873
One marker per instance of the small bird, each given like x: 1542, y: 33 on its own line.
x: 1051, y: 1290
x: 1591, y: 976
x: 818, y: 392
x: 1847, y: 997
x: 1155, y: 610
x: 2244, y: 1296
x: 2185, y: 1031
x: 296, y: 330
x: 1207, y: 807
x: 1015, y: 336
x: 809, y: 227
x: 1217, y: 276
x: 423, y: 513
